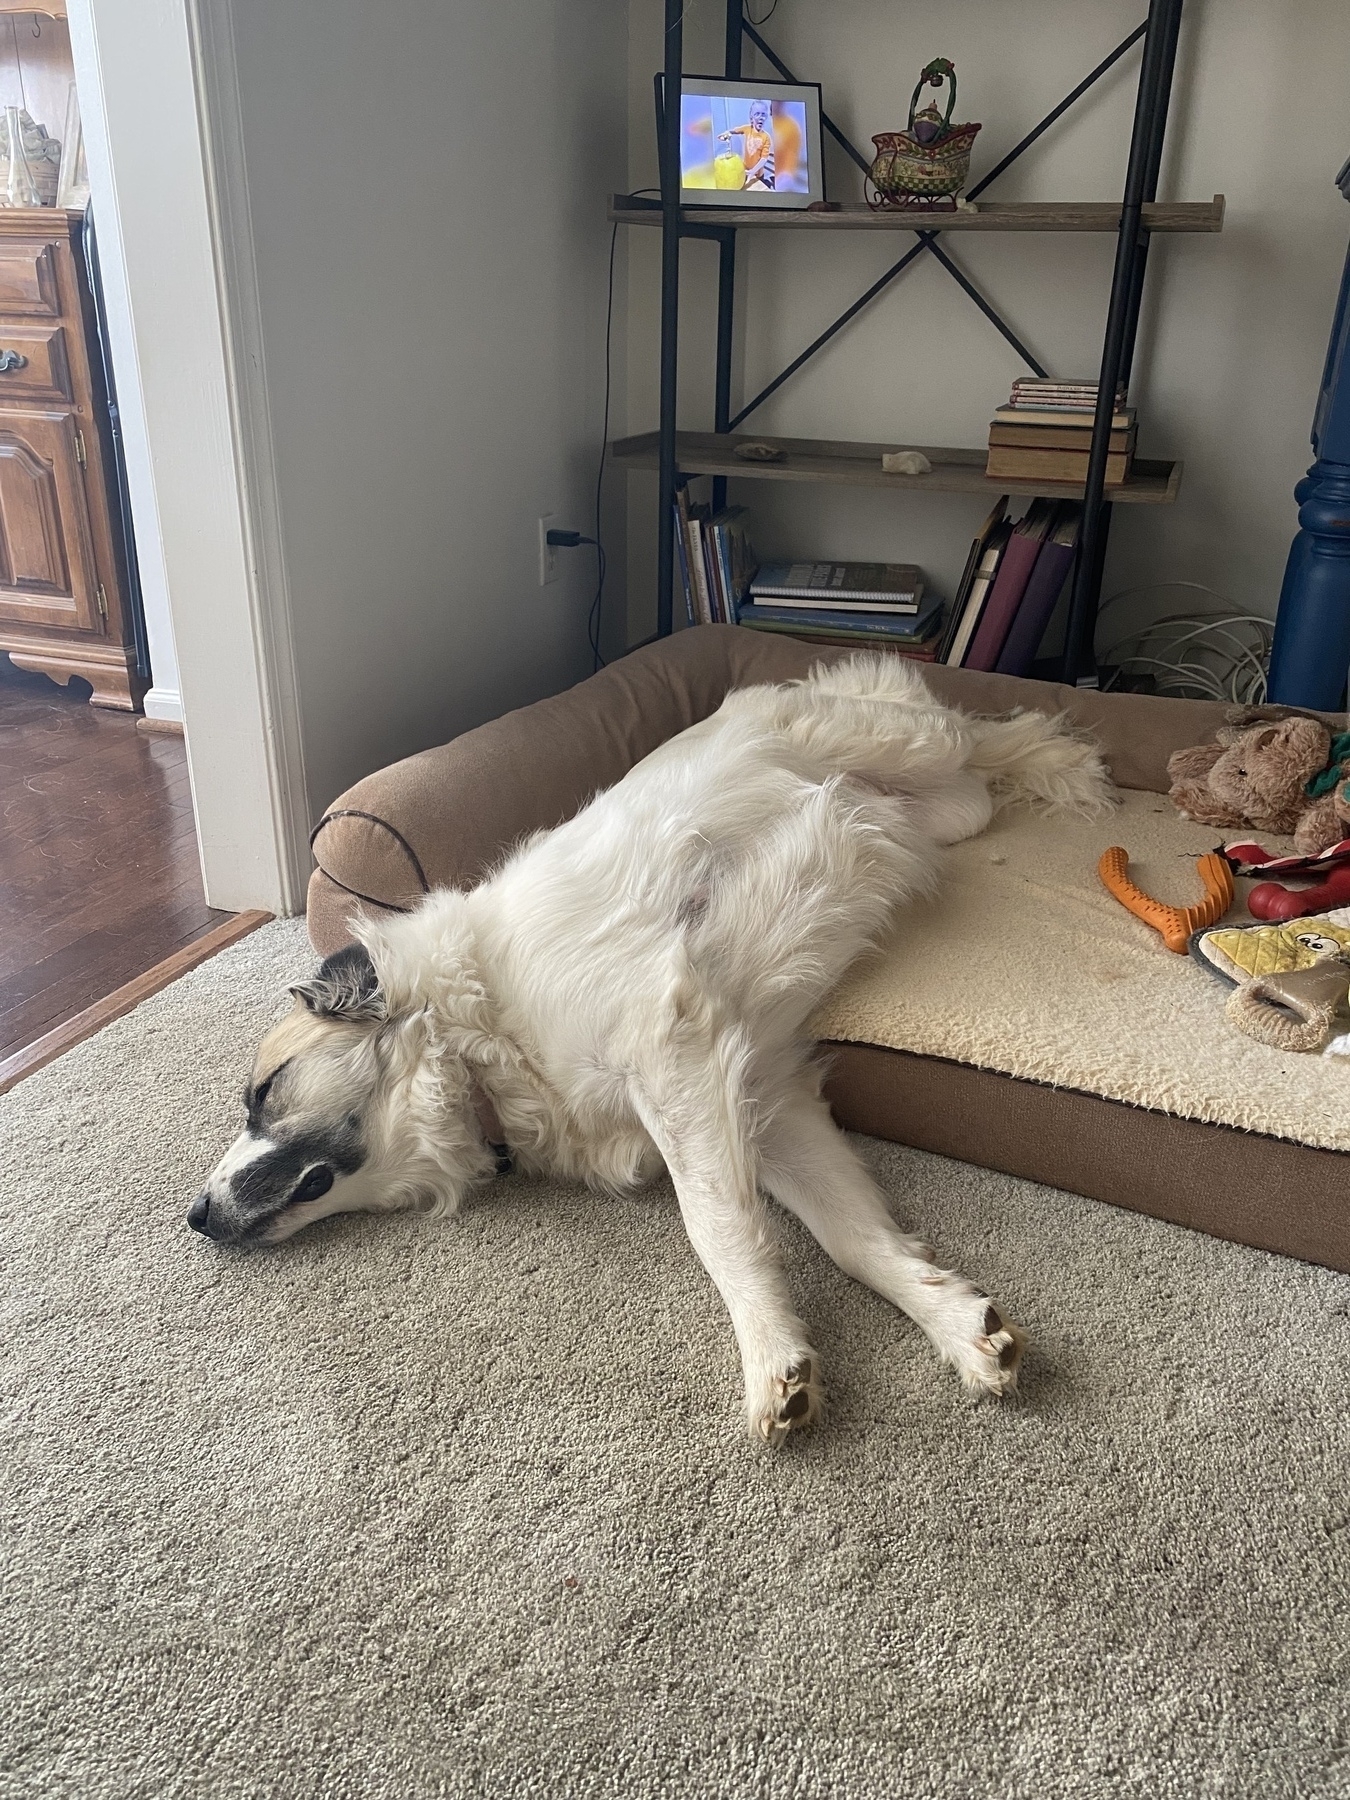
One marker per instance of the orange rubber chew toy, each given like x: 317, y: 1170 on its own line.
x: 1174, y: 924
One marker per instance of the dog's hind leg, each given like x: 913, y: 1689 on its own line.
x: 690, y: 1098
x: 809, y: 1168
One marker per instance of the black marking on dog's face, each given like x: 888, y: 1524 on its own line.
x: 268, y: 1173
x: 282, y: 1172
x: 345, y: 987
x: 306, y: 1132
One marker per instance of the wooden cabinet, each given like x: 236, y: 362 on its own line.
x: 62, y: 607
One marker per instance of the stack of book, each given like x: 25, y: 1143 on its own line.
x: 846, y: 603
x: 1013, y: 579
x: 1044, y: 433
x: 716, y: 561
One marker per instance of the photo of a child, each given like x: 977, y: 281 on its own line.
x: 756, y: 146
x: 750, y: 145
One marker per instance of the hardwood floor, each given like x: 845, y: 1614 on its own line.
x: 99, y: 878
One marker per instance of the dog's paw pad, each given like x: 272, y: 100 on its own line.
x: 793, y: 1401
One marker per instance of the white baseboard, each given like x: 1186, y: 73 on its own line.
x: 164, y: 703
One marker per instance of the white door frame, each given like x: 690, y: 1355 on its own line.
x: 164, y: 144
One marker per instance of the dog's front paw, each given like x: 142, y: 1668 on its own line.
x: 784, y: 1400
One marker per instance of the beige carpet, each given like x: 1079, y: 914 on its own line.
x: 1025, y: 964
x: 405, y: 1510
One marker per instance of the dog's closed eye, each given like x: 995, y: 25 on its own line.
x: 255, y: 1098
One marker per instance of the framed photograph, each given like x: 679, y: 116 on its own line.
x: 72, y: 184
x: 750, y: 143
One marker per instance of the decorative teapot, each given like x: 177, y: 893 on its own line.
x: 924, y: 168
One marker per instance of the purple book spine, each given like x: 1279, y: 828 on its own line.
x: 1033, y: 615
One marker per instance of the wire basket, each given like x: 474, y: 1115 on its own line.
x: 924, y: 168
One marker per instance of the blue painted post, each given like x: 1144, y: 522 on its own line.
x: 1311, y: 654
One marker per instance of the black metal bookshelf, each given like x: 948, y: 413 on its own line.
x: 1133, y: 220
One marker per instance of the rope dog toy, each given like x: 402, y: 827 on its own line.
x: 1294, y: 1009
x: 1174, y: 924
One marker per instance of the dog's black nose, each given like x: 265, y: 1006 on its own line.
x: 199, y: 1213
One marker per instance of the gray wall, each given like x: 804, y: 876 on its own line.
x: 427, y: 184
x: 1235, y: 326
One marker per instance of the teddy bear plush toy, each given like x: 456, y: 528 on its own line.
x: 1277, y: 770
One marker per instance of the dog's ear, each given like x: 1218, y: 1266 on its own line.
x: 427, y: 959
x: 345, y: 987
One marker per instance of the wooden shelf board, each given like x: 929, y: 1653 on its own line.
x: 1151, y: 483
x: 990, y: 215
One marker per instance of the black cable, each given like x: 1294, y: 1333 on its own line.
x: 595, y: 621
x: 768, y: 15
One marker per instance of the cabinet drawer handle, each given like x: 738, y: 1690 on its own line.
x: 10, y: 359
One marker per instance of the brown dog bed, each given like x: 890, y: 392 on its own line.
x: 1022, y: 1021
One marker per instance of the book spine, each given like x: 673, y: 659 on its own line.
x: 976, y: 602
x: 1037, y: 608
x: 701, y: 593
x: 963, y: 587
x: 832, y: 597
x: 1059, y: 415
x: 1009, y: 585
x: 816, y: 603
x: 726, y: 575
x: 712, y: 576
x: 682, y: 553
x: 1054, y: 437
x: 986, y: 573
x: 687, y: 542
x: 854, y: 624
x: 1052, y: 465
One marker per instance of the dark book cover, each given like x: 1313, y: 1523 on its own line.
x: 1043, y: 591
x: 731, y: 538
x: 980, y: 588
x: 907, y: 627
x: 968, y: 574
x: 713, y: 573
x: 898, y: 584
x: 1014, y: 572
x: 684, y: 567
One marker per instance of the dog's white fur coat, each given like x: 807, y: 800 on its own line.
x: 632, y: 988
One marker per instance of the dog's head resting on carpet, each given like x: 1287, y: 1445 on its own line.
x: 351, y: 1108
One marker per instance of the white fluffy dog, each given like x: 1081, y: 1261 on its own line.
x: 631, y: 989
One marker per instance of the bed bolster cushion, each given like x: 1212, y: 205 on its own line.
x: 445, y: 816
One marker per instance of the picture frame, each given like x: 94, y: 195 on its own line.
x: 750, y: 144
x: 72, y: 182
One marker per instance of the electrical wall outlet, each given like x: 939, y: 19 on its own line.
x: 549, y: 566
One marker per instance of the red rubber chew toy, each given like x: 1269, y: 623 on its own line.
x: 1271, y: 900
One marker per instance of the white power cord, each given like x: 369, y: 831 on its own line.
x: 1208, y: 655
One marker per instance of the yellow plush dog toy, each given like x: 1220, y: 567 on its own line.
x: 1292, y: 977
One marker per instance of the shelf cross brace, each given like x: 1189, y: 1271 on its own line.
x: 927, y: 240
